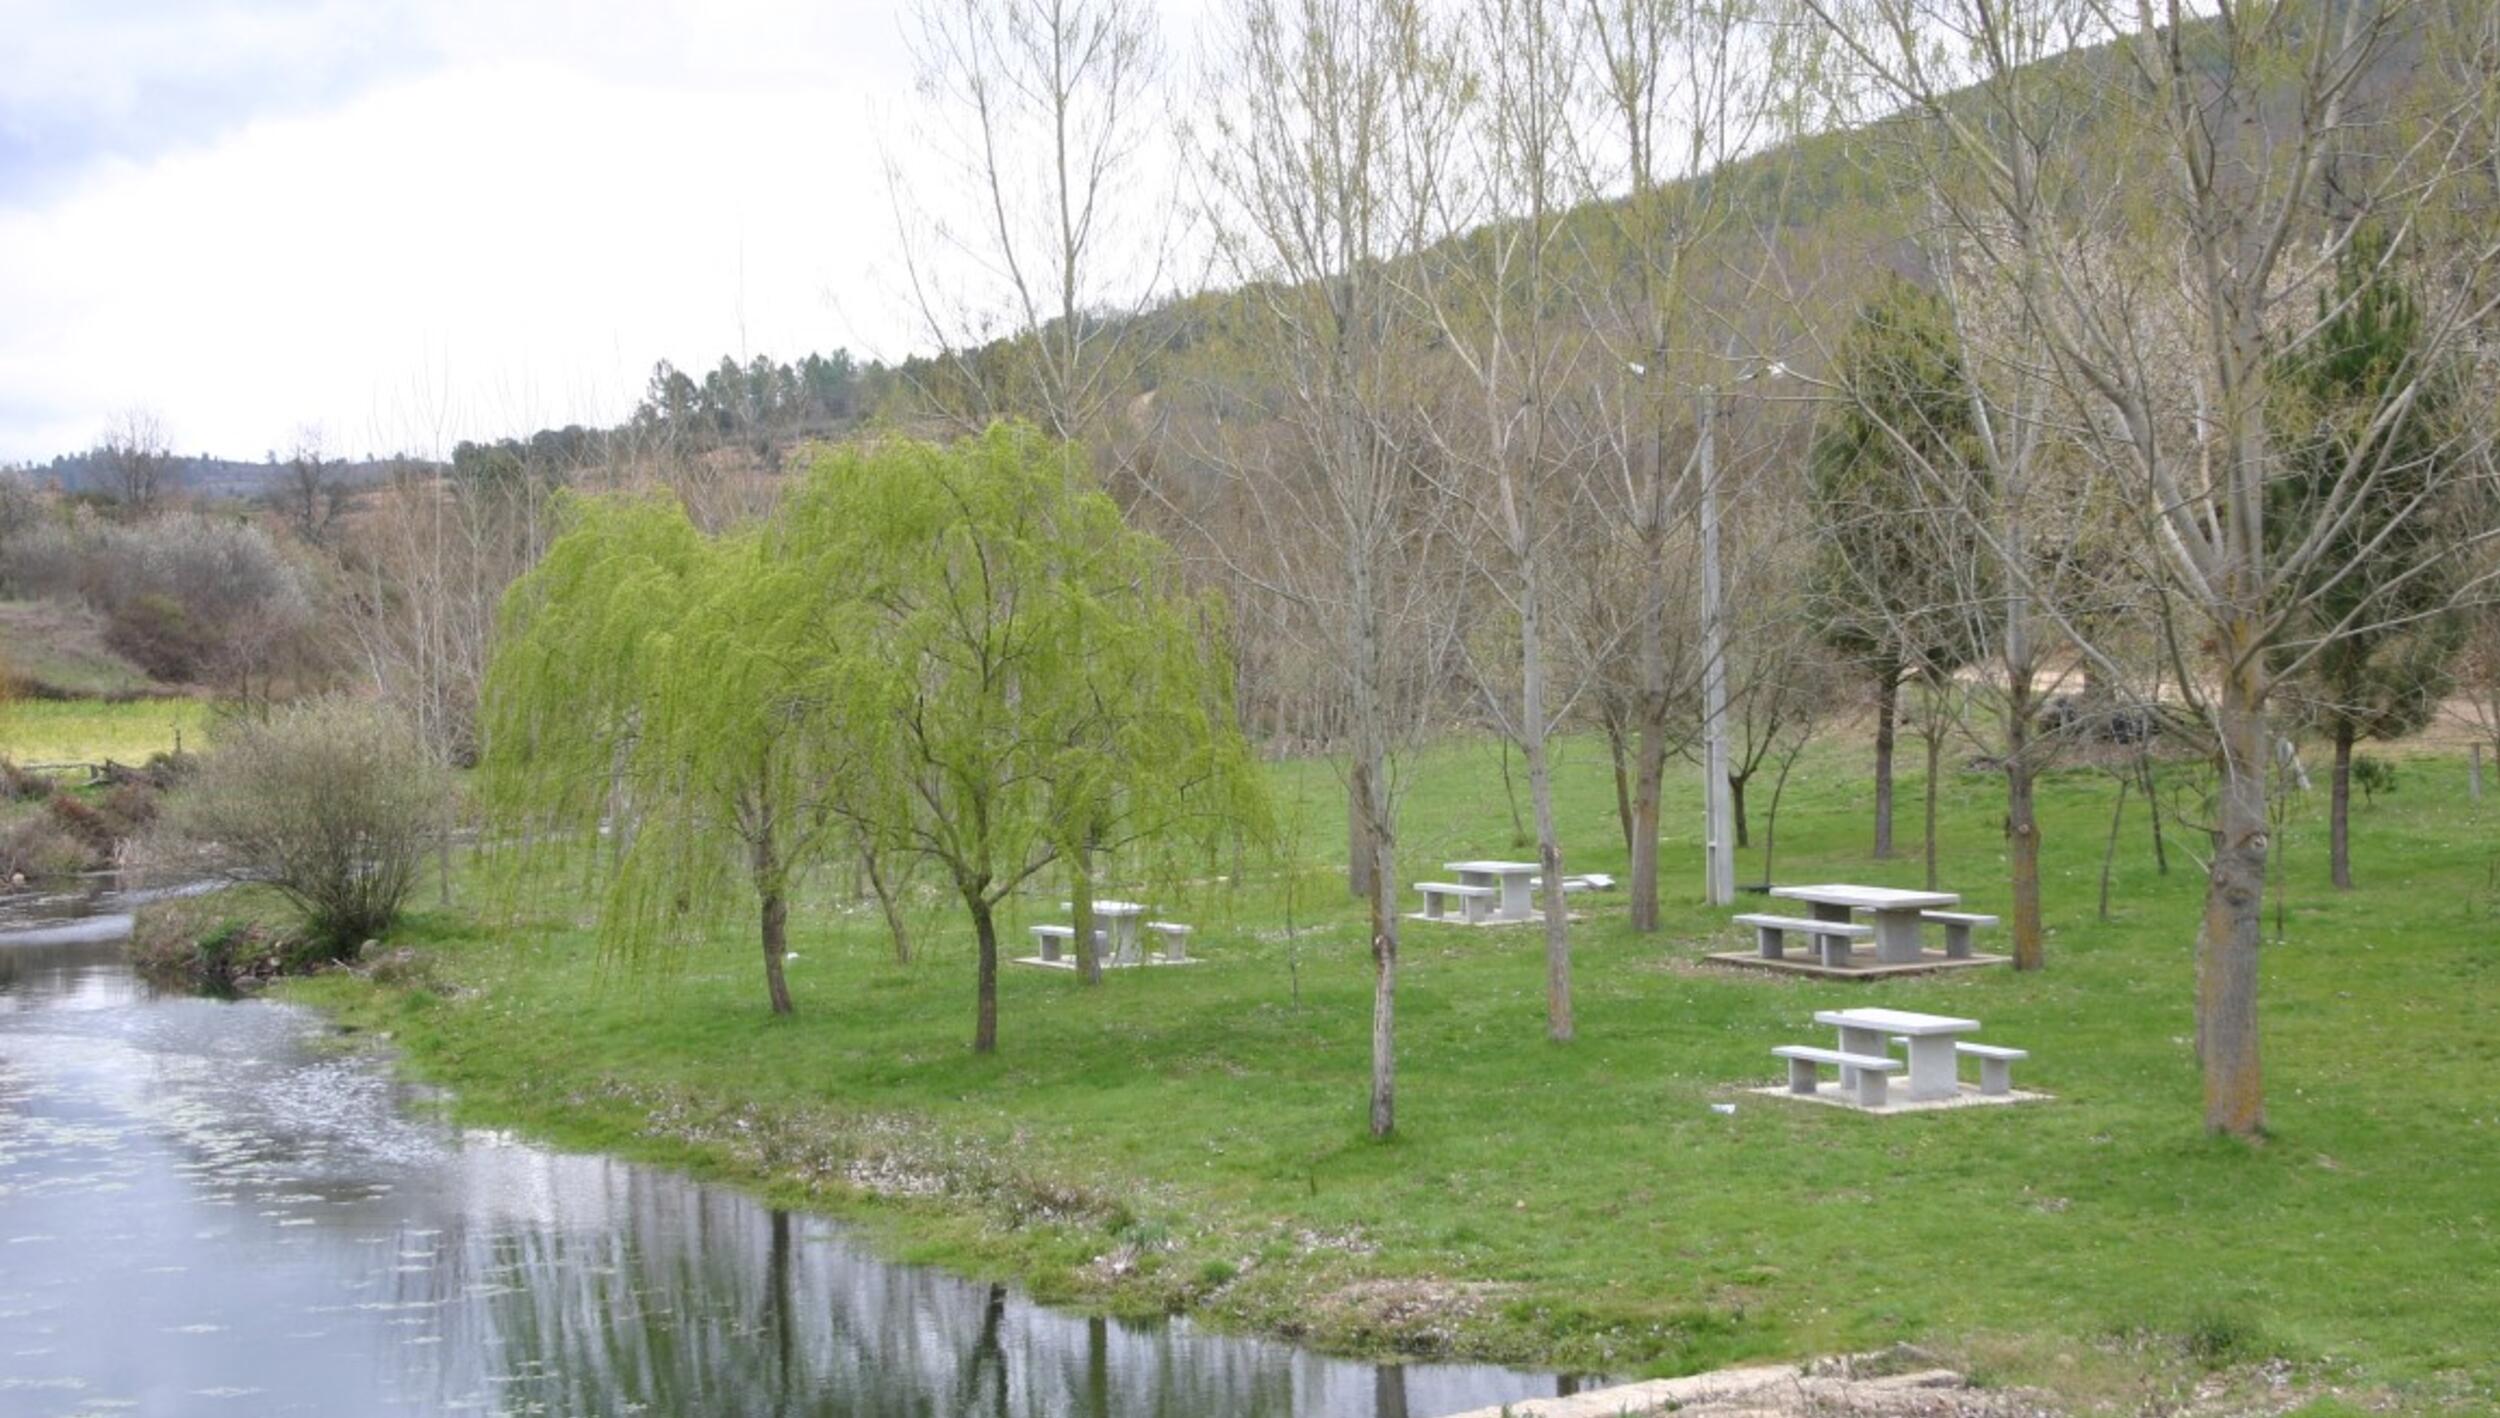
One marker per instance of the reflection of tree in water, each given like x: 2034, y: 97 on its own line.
x: 618, y: 1287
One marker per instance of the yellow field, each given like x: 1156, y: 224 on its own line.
x: 90, y: 730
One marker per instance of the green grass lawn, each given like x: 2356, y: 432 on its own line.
x: 1196, y: 1136
x: 92, y: 730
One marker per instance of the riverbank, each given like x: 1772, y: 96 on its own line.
x: 1193, y: 1139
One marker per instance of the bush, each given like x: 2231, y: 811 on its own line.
x: 84, y: 824
x: 157, y: 634
x: 37, y: 846
x: 216, y: 944
x: 19, y: 786
x: 327, y: 804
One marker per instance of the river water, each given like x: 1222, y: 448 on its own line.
x: 205, y: 1211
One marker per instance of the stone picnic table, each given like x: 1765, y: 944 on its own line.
x: 1896, y: 912
x: 1120, y: 921
x: 1512, y: 879
x: 1871, y: 1031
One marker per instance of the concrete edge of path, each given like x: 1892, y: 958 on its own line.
x: 1753, y: 1392
x: 1649, y: 1395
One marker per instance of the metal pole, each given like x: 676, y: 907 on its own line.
x: 1719, y: 810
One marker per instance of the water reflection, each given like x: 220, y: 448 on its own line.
x: 203, y: 1210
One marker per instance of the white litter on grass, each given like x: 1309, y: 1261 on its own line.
x: 1723, y: 1108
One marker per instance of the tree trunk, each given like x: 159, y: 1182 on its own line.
x: 889, y: 900
x: 776, y: 914
x: 1935, y: 755
x: 2228, y: 943
x: 2022, y: 853
x: 2474, y: 773
x: 1736, y: 807
x: 1619, y: 752
x: 776, y: 945
x: 2109, y: 849
x: 2152, y: 808
x: 1384, y: 923
x: 985, y: 930
x: 1558, y: 1025
x: 1648, y: 782
x: 1887, y: 712
x: 1081, y: 911
x: 1358, y: 856
x: 2339, y: 811
x: 1510, y: 795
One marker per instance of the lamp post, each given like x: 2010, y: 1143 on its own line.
x: 1718, y: 803
x: 1718, y: 809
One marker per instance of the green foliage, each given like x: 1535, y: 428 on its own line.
x: 955, y: 651
x: 1891, y: 471
x: 2363, y: 495
x: 1019, y: 669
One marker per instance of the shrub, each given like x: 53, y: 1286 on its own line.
x: 215, y: 944
x: 326, y: 803
x: 159, y: 636
x: 85, y: 824
x: 38, y: 846
x: 19, y: 786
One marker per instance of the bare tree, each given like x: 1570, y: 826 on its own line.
x: 1040, y: 110
x: 137, y: 462
x: 1684, y: 89
x: 1492, y: 296
x: 1330, y: 120
x: 2157, y: 309
x: 310, y: 489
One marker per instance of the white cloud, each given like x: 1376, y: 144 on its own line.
x: 504, y: 240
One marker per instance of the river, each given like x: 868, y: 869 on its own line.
x: 205, y: 1209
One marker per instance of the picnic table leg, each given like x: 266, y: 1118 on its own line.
x: 1896, y: 937
x: 1515, y: 897
x: 1931, y: 1067
x: 1768, y: 940
x: 1853, y: 1040
x: 1956, y: 941
x: 1833, y: 951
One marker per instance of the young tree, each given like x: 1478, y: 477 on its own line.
x: 1044, y: 111
x: 1683, y: 90
x: 1892, y: 552
x: 1009, y: 664
x: 1493, y: 294
x: 2378, y: 628
x: 1328, y: 117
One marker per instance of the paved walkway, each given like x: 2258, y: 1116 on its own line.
x: 1787, y: 1391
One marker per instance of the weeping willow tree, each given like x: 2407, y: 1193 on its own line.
x: 1013, y: 669
x: 648, y: 698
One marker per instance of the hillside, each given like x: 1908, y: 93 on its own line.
x: 57, y: 650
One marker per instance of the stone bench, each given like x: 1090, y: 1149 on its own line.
x: 1475, y: 902
x: 1831, y: 937
x: 1996, y: 1065
x: 1870, y: 1074
x: 1957, y: 928
x: 1054, y: 939
x: 1175, y: 940
x: 1587, y: 881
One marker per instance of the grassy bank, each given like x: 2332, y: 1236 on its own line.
x: 1194, y: 1137
x: 92, y: 730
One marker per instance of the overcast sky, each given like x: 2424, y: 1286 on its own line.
x: 410, y: 221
